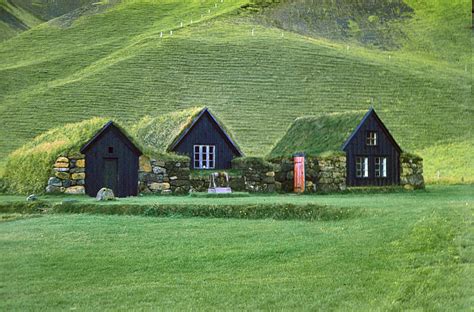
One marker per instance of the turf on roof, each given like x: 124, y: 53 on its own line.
x: 159, y: 133
x: 315, y: 135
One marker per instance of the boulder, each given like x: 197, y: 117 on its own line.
x: 105, y: 194
x: 53, y: 181
x: 62, y: 160
x: 78, y: 176
x: 62, y: 175
x: 32, y: 197
x: 61, y: 165
x: 144, y: 164
x: 54, y: 189
x: 159, y: 170
x: 61, y: 169
x: 81, y: 163
x: 75, y: 190
x: 77, y: 170
x: 159, y: 186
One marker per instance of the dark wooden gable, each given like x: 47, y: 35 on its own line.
x: 206, y: 130
x: 356, y: 146
x: 111, y: 161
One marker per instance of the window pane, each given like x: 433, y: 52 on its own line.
x: 366, y: 167
x: 384, y: 167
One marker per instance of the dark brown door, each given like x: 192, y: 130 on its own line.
x: 110, y: 174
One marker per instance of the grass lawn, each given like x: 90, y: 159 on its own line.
x: 407, y: 251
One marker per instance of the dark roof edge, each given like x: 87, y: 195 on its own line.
x: 370, y: 112
x: 196, y: 119
x: 103, y: 130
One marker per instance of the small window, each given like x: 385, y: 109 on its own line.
x: 111, y: 150
x: 362, y: 167
x: 381, y: 167
x: 204, y: 156
x: 371, y: 138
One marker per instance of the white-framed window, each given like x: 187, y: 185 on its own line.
x: 371, y: 139
x: 362, y: 167
x: 381, y: 167
x: 204, y: 156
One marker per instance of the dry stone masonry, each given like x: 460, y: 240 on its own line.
x: 249, y: 174
x: 411, y: 172
x: 164, y: 176
x: 68, y: 175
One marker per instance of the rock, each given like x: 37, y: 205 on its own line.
x: 159, y: 170
x: 178, y: 164
x: 76, y: 156
x: 77, y: 170
x: 78, y: 176
x: 54, y: 189
x: 81, y: 163
x: 173, y: 178
x: 105, y: 194
x: 144, y: 164
x: 61, y: 165
x: 80, y: 182
x: 166, y: 192
x: 53, y: 181
x: 67, y: 183
x: 269, y: 180
x: 61, y: 169
x: 270, y: 174
x: 159, y: 186
x: 408, y: 187
x: 62, y: 160
x: 160, y: 163
x: 62, y: 175
x: 32, y: 197
x: 179, y: 183
x: 75, y: 190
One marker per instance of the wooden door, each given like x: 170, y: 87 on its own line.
x: 110, y: 174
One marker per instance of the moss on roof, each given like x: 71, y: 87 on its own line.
x: 315, y: 135
x: 157, y: 134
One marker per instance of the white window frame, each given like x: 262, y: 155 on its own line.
x: 202, y: 155
x: 380, y: 167
x: 371, y: 139
x: 362, y: 167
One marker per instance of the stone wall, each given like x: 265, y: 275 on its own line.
x: 258, y: 175
x: 68, y: 175
x: 322, y: 174
x: 411, y: 172
x: 164, y: 176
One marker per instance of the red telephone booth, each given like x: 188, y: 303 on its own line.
x: 299, y: 174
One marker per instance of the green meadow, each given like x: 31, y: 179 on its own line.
x: 405, y: 251
x: 125, y: 63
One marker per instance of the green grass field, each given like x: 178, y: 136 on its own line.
x: 408, y: 251
x: 116, y: 64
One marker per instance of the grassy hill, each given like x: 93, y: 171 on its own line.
x: 125, y: 63
x: 17, y: 16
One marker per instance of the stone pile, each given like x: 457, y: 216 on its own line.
x: 322, y: 174
x: 68, y: 175
x: 331, y: 175
x: 411, y: 172
x: 258, y: 175
x: 164, y: 176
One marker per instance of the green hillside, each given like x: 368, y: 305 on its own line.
x: 124, y: 63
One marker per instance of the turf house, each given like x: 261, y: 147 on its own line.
x: 370, y: 154
x: 112, y: 162
x: 206, y: 142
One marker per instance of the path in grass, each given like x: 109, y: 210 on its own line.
x: 409, y: 251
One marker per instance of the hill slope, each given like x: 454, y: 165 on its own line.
x: 124, y: 63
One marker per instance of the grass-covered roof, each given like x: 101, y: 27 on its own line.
x: 158, y: 134
x: 315, y: 135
